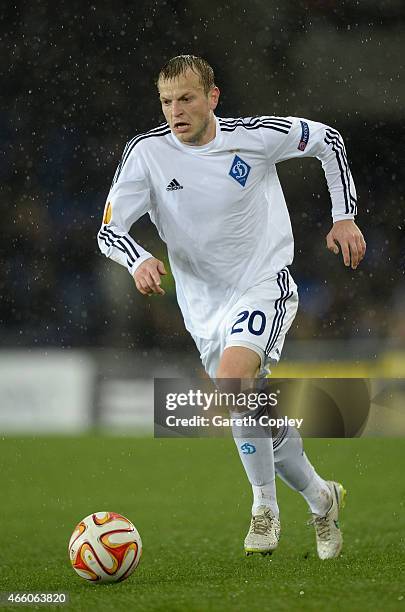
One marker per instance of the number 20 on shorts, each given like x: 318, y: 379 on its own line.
x: 256, y: 322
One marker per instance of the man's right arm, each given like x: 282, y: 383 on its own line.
x: 127, y: 201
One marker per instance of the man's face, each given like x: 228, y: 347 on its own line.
x: 188, y: 109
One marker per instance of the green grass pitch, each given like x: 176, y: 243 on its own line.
x: 191, y: 503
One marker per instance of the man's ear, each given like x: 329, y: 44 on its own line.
x: 214, y: 97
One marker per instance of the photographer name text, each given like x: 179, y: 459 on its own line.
x: 242, y: 421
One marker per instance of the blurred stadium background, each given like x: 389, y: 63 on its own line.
x: 79, y: 345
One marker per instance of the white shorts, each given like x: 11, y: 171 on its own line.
x: 259, y: 320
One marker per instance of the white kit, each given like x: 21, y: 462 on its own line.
x: 219, y: 207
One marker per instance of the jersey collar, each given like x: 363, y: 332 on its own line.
x: 213, y: 145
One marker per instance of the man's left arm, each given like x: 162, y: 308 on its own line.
x: 312, y: 139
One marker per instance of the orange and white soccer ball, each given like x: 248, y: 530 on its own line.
x: 105, y: 547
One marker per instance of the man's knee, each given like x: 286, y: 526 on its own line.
x: 235, y: 371
x: 238, y: 362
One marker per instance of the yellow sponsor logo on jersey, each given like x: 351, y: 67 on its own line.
x: 107, y: 213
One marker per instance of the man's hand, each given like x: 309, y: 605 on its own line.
x: 147, y: 277
x: 353, y: 246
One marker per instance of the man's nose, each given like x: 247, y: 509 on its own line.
x: 176, y: 108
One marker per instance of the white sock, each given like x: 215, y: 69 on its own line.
x: 265, y: 495
x: 294, y: 468
x: 257, y: 457
x: 317, y: 495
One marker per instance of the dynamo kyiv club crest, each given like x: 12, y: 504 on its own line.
x: 239, y: 170
x: 248, y: 449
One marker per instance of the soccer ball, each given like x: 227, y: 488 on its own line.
x: 105, y: 547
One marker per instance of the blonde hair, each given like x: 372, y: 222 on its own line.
x: 179, y: 65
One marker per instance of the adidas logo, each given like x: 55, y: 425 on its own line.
x: 174, y: 185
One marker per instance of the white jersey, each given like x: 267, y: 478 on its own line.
x: 219, y: 207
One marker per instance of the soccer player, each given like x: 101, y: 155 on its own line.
x: 211, y: 188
